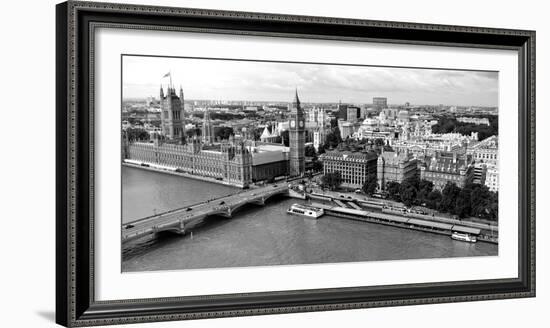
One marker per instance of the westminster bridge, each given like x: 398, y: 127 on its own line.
x: 181, y: 219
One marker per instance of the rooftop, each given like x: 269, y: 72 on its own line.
x: 349, y: 155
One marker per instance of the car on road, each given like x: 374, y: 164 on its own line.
x: 189, y: 209
x: 222, y: 202
x: 129, y: 226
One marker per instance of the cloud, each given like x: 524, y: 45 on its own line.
x: 275, y: 81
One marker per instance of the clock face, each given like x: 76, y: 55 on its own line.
x: 301, y: 124
x: 292, y: 123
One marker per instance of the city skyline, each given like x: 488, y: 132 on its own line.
x: 405, y: 183
x: 234, y: 80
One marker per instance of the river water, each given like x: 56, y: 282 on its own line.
x: 265, y: 235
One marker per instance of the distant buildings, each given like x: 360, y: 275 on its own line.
x: 317, y: 126
x: 348, y: 112
x: 363, y: 112
x: 347, y: 129
x: 486, y: 151
x: 380, y: 102
x: 318, y: 139
x: 317, y: 115
x: 353, y: 114
x: 353, y: 167
x: 403, y: 117
x: 474, y: 120
x: 371, y: 128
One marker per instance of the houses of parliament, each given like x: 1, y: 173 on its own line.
x: 239, y: 161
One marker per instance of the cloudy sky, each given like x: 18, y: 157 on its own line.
x: 267, y: 81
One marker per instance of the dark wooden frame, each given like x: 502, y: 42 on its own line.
x: 75, y: 303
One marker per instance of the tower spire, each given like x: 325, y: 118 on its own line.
x: 296, y: 99
x: 171, y: 85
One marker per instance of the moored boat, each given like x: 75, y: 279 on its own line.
x: 307, y: 211
x: 463, y: 237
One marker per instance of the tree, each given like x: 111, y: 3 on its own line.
x: 193, y: 132
x: 135, y: 134
x: 317, y: 166
x: 333, y: 138
x: 449, y: 195
x: 483, y: 202
x: 332, y: 180
x: 409, y: 189
x: 447, y: 124
x: 257, y: 132
x: 433, y: 199
x: 379, y: 142
x: 407, y: 192
x: 392, y: 188
x: 285, y: 138
x: 424, y: 189
x: 310, y: 151
x: 462, y: 203
x: 224, y: 132
x: 370, y: 184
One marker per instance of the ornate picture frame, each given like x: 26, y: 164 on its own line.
x: 76, y: 304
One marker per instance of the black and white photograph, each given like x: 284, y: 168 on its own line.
x: 238, y: 163
x: 245, y: 164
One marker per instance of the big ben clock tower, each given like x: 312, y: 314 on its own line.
x: 297, y: 138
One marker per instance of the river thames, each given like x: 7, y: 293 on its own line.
x: 265, y: 235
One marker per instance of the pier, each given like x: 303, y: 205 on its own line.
x: 427, y: 224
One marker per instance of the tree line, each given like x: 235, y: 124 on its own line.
x: 447, y: 124
x: 474, y: 200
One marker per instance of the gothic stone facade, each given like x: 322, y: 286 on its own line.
x: 297, y: 138
x: 231, y: 163
x: 172, y: 113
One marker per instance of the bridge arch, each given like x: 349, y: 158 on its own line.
x: 243, y: 204
x: 226, y: 212
x: 271, y: 195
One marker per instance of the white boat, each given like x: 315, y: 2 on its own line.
x: 463, y: 237
x: 307, y: 211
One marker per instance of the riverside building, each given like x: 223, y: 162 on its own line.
x: 353, y: 167
x: 237, y: 161
x: 395, y: 167
x: 446, y: 167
